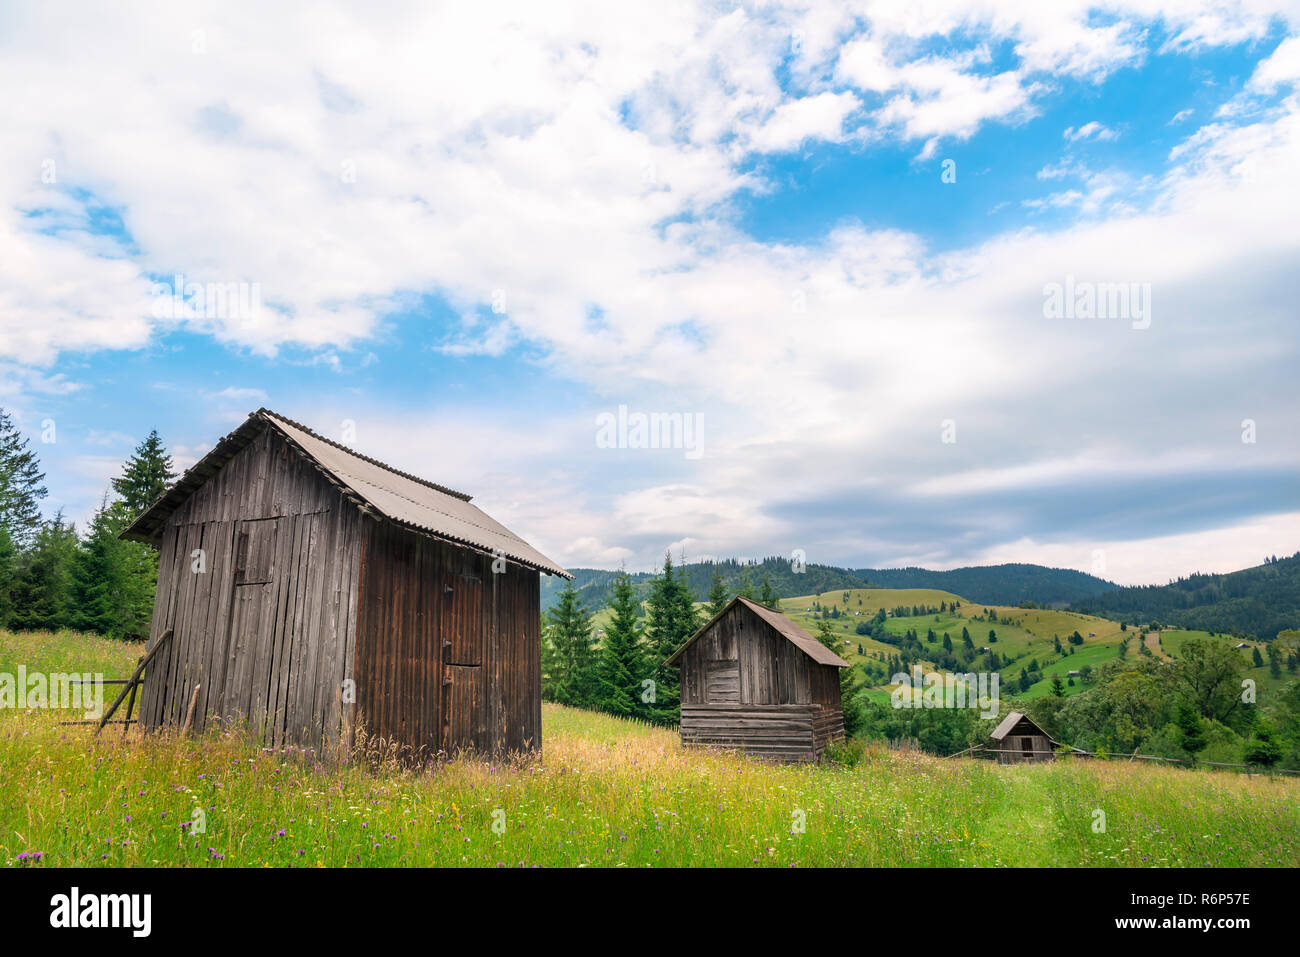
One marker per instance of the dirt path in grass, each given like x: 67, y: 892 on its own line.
x: 1152, y: 641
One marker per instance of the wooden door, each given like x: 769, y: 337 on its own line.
x: 464, y: 633
x: 462, y: 618
x: 253, y: 623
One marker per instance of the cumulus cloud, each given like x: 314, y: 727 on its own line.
x: 1089, y: 131
x: 818, y: 117
x: 580, y: 156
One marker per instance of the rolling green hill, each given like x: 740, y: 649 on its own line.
x: 1026, y: 638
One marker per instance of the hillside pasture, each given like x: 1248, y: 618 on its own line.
x: 1174, y: 640
x: 1023, y: 634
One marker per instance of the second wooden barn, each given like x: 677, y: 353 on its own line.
x: 753, y: 679
x: 310, y: 591
x: 1017, y: 739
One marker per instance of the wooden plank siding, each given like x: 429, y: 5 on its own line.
x: 263, y: 627
x: 301, y: 591
x: 744, y: 685
x: 1024, y: 742
x: 448, y: 653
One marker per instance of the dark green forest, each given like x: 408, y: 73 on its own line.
x: 55, y: 576
x: 1259, y: 601
x: 596, y: 586
x: 1008, y: 584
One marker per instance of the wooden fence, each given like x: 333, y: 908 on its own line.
x: 981, y: 752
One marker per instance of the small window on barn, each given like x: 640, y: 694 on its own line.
x: 722, y: 681
x: 255, y: 552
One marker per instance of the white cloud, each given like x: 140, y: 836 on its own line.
x: 241, y: 395
x: 1089, y: 131
x: 1281, y: 67
x: 1156, y: 561
x: 812, y: 117
x: 572, y: 156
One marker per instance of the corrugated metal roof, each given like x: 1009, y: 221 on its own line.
x: 805, y: 642
x: 413, y: 502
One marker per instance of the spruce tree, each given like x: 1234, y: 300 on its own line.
x: 550, y: 659
x: 146, y: 475
x: 689, y: 616
x: 1193, y: 732
x: 8, y: 561
x: 851, y: 685
x: 571, y: 664
x: 719, y: 594
x: 746, y: 589
x: 112, y: 580
x: 21, y: 488
x: 768, y: 597
x: 672, y: 619
x: 41, y: 596
x: 622, y: 662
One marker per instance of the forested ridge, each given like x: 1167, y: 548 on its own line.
x: 1008, y: 584
x: 1259, y: 601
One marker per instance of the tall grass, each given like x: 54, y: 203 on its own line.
x: 606, y: 792
x: 68, y: 651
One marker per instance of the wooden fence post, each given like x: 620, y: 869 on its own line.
x: 135, y: 678
x: 189, y: 714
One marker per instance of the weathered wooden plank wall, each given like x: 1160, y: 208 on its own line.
x: 1025, y: 743
x: 298, y: 591
x: 745, y: 685
x: 264, y: 624
x: 783, y: 732
x: 448, y: 653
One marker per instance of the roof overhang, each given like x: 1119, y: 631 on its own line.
x: 805, y: 642
x: 149, y: 526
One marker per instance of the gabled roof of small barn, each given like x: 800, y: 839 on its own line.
x: 1012, y: 719
x: 805, y: 642
x: 377, y: 489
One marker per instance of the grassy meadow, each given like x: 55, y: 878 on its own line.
x: 602, y: 792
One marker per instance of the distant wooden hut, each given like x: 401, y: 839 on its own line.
x: 1017, y: 739
x: 310, y: 590
x: 753, y: 679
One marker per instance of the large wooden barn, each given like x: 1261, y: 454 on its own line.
x: 312, y: 591
x: 753, y: 679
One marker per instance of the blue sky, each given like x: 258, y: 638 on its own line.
x: 471, y: 235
